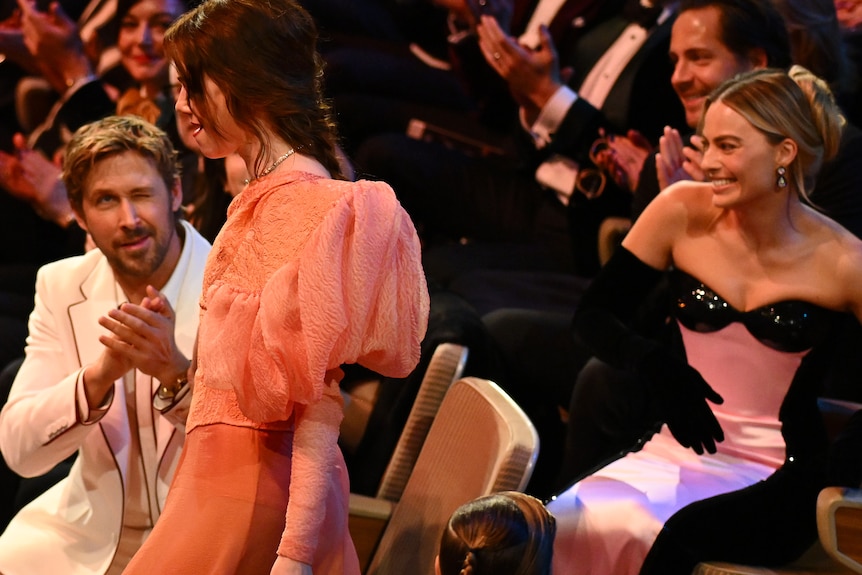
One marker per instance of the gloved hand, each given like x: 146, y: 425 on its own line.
x: 682, y: 394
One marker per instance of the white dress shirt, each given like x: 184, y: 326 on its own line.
x: 560, y: 173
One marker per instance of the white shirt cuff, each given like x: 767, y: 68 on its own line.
x: 559, y: 174
x: 551, y: 116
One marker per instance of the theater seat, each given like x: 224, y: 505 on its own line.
x: 480, y: 442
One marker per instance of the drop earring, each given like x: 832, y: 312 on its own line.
x: 781, y: 181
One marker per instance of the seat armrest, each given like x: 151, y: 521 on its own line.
x: 370, y: 507
x: 839, y: 523
x: 366, y: 521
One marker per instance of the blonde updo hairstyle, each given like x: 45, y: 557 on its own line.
x: 793, y: 105
x: 507, y: 533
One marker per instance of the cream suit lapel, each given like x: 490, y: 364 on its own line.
x: 99, y: 293
x: 183, y: 292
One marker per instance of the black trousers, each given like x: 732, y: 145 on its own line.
x: 770, y: 523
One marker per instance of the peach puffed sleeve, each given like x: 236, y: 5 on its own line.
x: 362, y: 298
x: 356, y: 294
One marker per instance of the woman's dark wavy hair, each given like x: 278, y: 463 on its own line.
x: 262, y: 54
x: 507, y: 533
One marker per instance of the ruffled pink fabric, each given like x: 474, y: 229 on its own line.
x: 308, y: 274
x: 349, y: 288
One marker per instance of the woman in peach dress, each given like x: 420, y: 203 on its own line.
x: 308, y: 273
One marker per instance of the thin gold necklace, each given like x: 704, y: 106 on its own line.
x: 272, y: 166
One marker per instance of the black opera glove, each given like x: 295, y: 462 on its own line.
x: 682, y: 394
x: 603, y: 323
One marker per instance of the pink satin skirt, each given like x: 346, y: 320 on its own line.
x: 225, y: 511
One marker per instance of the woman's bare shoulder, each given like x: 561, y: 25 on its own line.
x: 688, y: 194
x: 668, y: 218
x: 683, y: 203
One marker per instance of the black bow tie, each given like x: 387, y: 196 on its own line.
x: 638, y: 13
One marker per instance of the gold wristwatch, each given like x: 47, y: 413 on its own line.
x: 168, y: 392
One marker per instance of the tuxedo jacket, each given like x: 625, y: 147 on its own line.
x: 641, y: 98
x: 573, y: 20
x: 75, y: 526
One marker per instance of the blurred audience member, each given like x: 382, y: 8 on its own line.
x: 53, y: 39
x: 380, y: 89
x: 26, y: 95
x: 496, y: 202
x: 850, y: 18
x: 818, y: 44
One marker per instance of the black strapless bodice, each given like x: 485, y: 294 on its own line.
x: 789, y: 326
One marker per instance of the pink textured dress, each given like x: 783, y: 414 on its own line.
x: 307, y: 274
x: 607, y: 522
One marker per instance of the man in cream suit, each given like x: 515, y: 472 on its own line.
x: 111, y: 334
